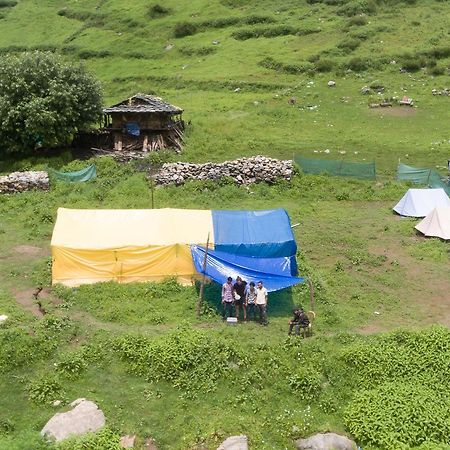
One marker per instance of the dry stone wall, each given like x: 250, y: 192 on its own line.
x: 242, y: 171
x: 23, y: 181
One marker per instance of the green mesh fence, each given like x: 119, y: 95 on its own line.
x: 79, y: 176
x: 365, y: 171
x: 428, y: 177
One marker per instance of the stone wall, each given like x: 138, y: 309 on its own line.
x: 23, y: 181
x: 242, y: 171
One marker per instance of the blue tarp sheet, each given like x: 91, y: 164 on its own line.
x: 265, y: 234
x: 133, y: 128
x: 273, y: 272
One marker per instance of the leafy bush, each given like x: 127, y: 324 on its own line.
x: 270, y: 63
x: 358, y: 21
x: 358, y: 64
x: 325, y: 65
x: 45, y: 389
x: 7, y: 3
x: 88, y: 54
x: 44, y: 101
x: 306, y: 382
x: 198, y: 51
x: 399, y: 415
x: 71, y: 365
x: 158, y: 10
x: 183, y: 29
x: 6, y: 426
x: 437, y: 70
x: 349, y: 44
x: 189, y: 359
x: 357, y: 7
x: 105, y: 439
x: 269, y: 32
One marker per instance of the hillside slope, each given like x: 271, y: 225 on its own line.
x: 233, y: 65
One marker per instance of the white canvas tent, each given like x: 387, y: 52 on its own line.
x: 436, y: 223
x: 420, y: 202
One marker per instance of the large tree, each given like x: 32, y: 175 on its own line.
x: 44, y: 101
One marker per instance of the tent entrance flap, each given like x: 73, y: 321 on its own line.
x: 273, y: 272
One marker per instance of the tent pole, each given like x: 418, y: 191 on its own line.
x: 202, y: 285
x: 311, y: 295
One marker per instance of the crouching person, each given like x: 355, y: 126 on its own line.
x: 300, y: 320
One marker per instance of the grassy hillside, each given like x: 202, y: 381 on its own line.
x: 196, y: 54
x: 376, y: 368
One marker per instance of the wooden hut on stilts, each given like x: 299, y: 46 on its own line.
x: 144, y: 123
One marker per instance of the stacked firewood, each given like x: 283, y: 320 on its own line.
x: 23, y: 181
x: 241, y: 171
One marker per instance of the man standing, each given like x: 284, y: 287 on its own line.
x: 227, y: 298
x: 239, y: 289
x: 261, y: 302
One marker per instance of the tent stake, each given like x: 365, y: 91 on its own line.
x: 202, y: 285
x: 311, y: 295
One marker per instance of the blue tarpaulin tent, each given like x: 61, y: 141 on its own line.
x: 265, y: 234
x: 256, y: 245
x: 275, y: 273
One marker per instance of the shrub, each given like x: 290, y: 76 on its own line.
x: 189, y: 359
x: 324, y: 65
x: 7, y: 3
x: 349, y: 44
x: 358, y: 21
x: 358, y: 64
x: 71, y: 365
x: 269, y: 32
x: 158, y: 10
x: 6, y: 426
x: 45, y: 389
x: 437, y: 70
x: 88, y: 54
x: 105, y: 439
x: 306, y: 382
x: 199, y: 51
x: 183, y: 29
x: 412, y: 65
x: 356, y: 7
x: 398, y: 415
x: 44, y: 101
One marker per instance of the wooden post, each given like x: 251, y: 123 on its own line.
x: 311, y: 295
x: 202, y: 285
x: 145, y: 144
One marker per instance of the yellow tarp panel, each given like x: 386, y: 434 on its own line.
x: 116, y: 228
x: 88, y: 245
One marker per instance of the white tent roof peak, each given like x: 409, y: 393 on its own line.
x: 419, y: 202
x: 436, y: 223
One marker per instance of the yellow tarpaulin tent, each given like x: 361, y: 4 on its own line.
x: 89, y: 246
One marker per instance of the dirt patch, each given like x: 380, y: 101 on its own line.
x: 28, y: 250
x: 395, y: 111
x: 26, y: 300
x: 430, y: 290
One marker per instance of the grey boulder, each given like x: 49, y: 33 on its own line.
x: 234, y: 443
x: 326, y: 441
x: 85, y: 417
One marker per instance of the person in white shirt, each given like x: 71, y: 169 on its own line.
x: 261, y: 302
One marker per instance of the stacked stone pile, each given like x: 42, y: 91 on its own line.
x: 23, y: 181
x: 242, y: 171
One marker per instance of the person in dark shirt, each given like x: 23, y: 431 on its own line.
x: 300, y: 320
x: 239, y: 289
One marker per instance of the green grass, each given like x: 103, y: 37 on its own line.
x: 137, y: 350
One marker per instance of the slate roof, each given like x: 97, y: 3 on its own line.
x: 143, y: 103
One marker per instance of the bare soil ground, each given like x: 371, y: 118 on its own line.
x: 395, y: 111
